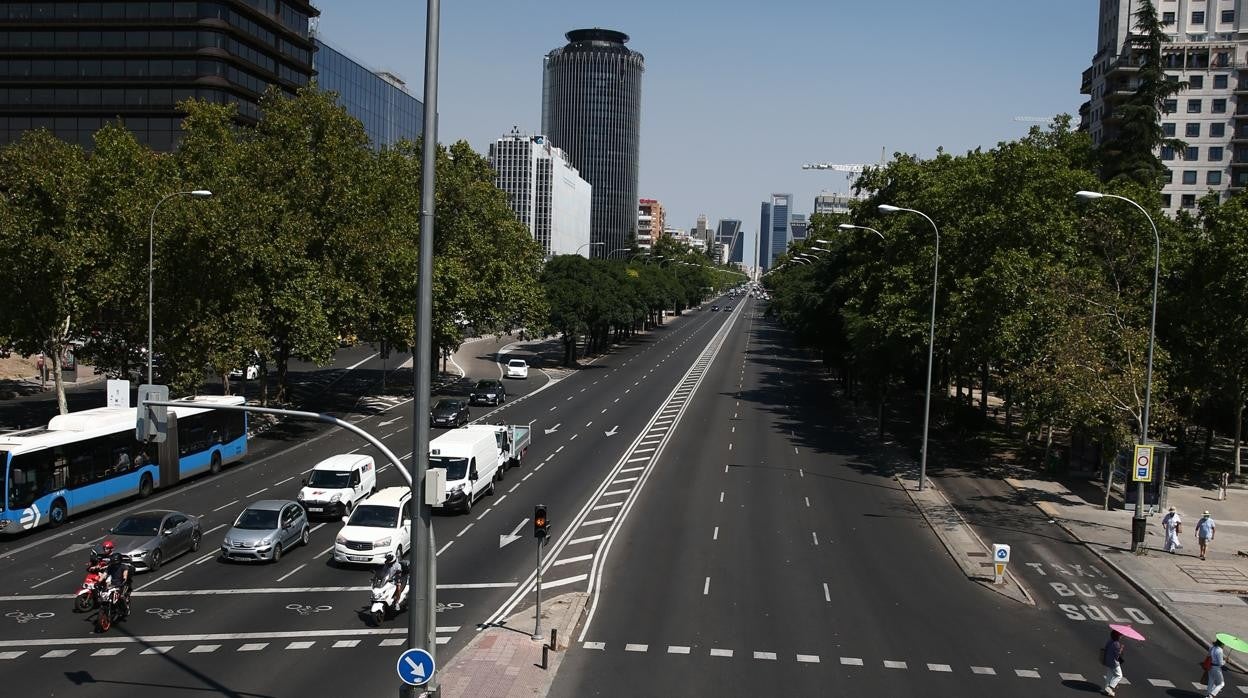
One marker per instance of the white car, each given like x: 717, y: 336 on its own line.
x: 379, y: 525
x: 517, y: 368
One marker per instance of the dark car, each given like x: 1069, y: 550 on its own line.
x: 449, y: 413
x: 149, y: 538
x: 488, y: 392
x: 714, y: 307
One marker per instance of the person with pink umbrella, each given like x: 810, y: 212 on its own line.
x: 1112, y: 655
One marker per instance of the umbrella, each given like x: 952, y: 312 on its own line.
x: 1129, y: 632
x: 1232, y: 642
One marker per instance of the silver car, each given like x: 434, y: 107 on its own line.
x: 265, y: 530
x: 150, y: 538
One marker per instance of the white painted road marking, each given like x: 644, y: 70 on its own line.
x: 706, y: 587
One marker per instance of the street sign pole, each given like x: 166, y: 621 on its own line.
x: 537, y: 629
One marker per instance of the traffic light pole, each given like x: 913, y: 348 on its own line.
x: 537, y: 630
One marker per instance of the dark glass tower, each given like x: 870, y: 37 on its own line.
x: 71, y: 66
x: 591, y: 107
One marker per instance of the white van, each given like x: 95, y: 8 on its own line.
x: 380, y: 524
x: 337, y: 484
x: 472, y: 462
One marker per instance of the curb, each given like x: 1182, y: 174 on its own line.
x: 1135, y: 584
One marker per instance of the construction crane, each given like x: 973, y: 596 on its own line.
x: 1034, y: 119
x: 855, y: 169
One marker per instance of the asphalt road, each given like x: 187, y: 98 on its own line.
x: 203, y: 626
x: 771, y: 554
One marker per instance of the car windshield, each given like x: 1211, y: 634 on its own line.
x: 374, y: 515
x: 257, y: 520
x: 140, y: 525
x: 456, y: 468
x: 485, y: 385
x: 330, y: 478
x: 518, y: 363
x: 446, y: 405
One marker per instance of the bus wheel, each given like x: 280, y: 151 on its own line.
x: 56, y: 515
x: 145, y: 487
x: 215, y: 465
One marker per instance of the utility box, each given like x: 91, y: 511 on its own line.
x: 435, y: 487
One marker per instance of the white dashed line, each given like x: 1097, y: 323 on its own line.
x: 716, y: 652
x: 636, y: 648
x: 851, y: 661
x: 765, y: 655
x: 677, y: 649
x: 891, y: 664
x: 815, y: 537
x: 706, y: 587
x: 448, y: 544
x: 939, y: 667
x: 715, y: 534
x: 827, y: 595
x: 586, y: 539
x: 570, y: 560
x: 223, y: 506
x: 464, y: 530
x: 984, y: 670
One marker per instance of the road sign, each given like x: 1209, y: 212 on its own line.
x: 415, y: 667
x: 152, y: 421
x: 1142, y: 466
x: 1000, y: 558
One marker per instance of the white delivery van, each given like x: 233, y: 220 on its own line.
x: 337, y: 484
x: 381, y: 524
x: 472, y: 462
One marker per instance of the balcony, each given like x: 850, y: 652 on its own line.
x: 1085, y: 83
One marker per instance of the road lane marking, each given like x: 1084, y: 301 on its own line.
x: 892, y: 664
x: 609, y: 519
x: 574, y: 437
x: 499, y: 500
x: 570, y: 560
x: 614, y: 492
x: 513, y: 488
x: 730, y: 446
x: 282, y: 482
x: 807, y: 500
x: 808, y: 658
x: 984, y: 670
x: 464, y: 530
x: 284, y: 576
x: 345, y: 643
x: 558, y: 450
x: 677, y: 649
x: 605, y: 506
x: 204, y: 649
x: 257, y: 646
x: 107, y: 652
x: 939, y: 667
x: 223, y: 506
x: 549, y: 457
x: 443, y: 549
x: 765, y: 655
x: 851, y: 661
x: 482, y: 516
x: 262, y: 489
x: 1027, y: 673
x: 565, y: 581
x: 330, y: 549
x: 594, y: 645
x: 801, y: 473
x: 624, y: 481
x: 636, y: 648
x: 638, y: 460
x: 552, y: 409
x: 53, y: 579
x: 300, y: 644
x: 716, y: 652
x: 634, y: 469
x: 586, y: 539
x: 815, y: 537
x: 214, y: 528
x: 706, y: 587
x: 827, y: 595
x: 526, y: 477
x: 715, y: 535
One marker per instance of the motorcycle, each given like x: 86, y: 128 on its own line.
x: 383, y: 604
x: 86, y: 599
x: 111, y: 606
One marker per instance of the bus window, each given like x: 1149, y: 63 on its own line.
x: 4, y: 482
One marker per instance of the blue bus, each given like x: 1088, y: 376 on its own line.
x: 88, y: 459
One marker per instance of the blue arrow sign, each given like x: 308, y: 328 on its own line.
x: 1001, y: 554
x: 416, y: 667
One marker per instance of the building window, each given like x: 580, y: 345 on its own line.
x: 1195, y: 82
x: 1215, y: 153
x: 1168, y: 129
x: 1193, y: 106
x: 1189, y: 176
x: 1198, y: 17
x: 1167, y: 18
x: 1217, y: 130
x: 1189, y: 201
x: 1167, y: 153
x: 1191, y: 154
x: 1213, y: 177
x: 1169, y: 177
x: 1228, y: 16
x: 1218, y: 106
x: 1165, y: 201
x: 1170, y: 106
x: 1219, y: 82
x: 1222, y: 59
x: 1192, y: 130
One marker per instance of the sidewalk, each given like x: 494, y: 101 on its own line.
x: 505, y: 661
x: 1204, y: 597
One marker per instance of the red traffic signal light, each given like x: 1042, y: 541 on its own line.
x: 541, y: 524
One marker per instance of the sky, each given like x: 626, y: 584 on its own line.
x: 737, y: 95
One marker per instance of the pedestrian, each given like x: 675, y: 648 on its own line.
x: 1111, y: 657
x: 1226, y: 480
x: 43, y: 371
x: 1204, y: 532
x: 1172, y: 524
x: 1215, y: 660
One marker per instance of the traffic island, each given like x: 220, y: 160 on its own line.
x: 960, y: 540
x: 505, y: 661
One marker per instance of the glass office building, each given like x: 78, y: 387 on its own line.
x: 72, y: 66
x: 380, y: 100
x: 591, y: 108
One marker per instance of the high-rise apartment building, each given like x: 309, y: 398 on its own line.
x: 71, y: 66
x: 1208, y: 46
x: 651, y: 221
x: 591, y: 107
x: 728, y: 233
x: 379, y: 99
x: 545, y: 192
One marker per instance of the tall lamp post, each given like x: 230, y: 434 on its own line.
x: 1138, y: 527
x: 588, y: 244
x: 847, y: 226
x: 151, y: 245
x: 931, y: 337
x: 618, y: 249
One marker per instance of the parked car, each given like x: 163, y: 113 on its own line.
x: 517, y: 368
x: 337, y: 484
x: 488, y: 392
x: 151, y: 538
x: 380, y: 524
x: 265, y: 530
x: 449, y: 412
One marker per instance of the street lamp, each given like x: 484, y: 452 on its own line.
x: 1137, y: 528
x: 931, y: 336
x: 588, y: 244
x: 151, y: 244
x: 847, y: 226
x: 618, y: 249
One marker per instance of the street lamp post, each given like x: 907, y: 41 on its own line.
x: 847, y: 226
x: 588, y: 244
x: 931, y: 337
x: 618, y: 249
x: 151, y: 245
x: 1137, y: 530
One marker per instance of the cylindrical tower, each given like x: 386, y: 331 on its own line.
x: 591, y: 107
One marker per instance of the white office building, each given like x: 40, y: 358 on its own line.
x: 546, y: 193
x: 832, y: 203
x: 1206, y: 51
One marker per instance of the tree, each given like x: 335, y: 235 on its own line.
x: 47, y: 247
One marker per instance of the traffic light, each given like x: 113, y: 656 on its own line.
x: 541, y: 524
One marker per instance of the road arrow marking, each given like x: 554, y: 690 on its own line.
x: 512, y: 537
x: 76, y: 547
x: 614, y: 430
x: 554, y: 428
x: 388, y: 422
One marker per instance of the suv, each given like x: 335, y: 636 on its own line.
x: 488, y: 392
x: 380, y: 525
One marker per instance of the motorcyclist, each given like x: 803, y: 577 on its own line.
x: 392, y: 569
x: 120, y: 575
x: 101, y: 557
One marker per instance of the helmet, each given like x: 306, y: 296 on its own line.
x: 117, y: 558
x: 107, y: 547
x: 389, y: 558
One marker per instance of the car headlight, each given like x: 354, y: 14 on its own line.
x: 381, y: 543
x: 335, y: 498
x: 341, y: 539
x: 137, y: 553
x: 457, y: 489
x: 299, y: 496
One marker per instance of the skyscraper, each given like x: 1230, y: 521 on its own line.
x: 379, y: 99
x: 1207, y: 49
x: 763, y: 249
x: 776, y: 221
x: 798, y: 226
x: 728, y: 232
x: 591, y: 108
x: 545, y: 192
